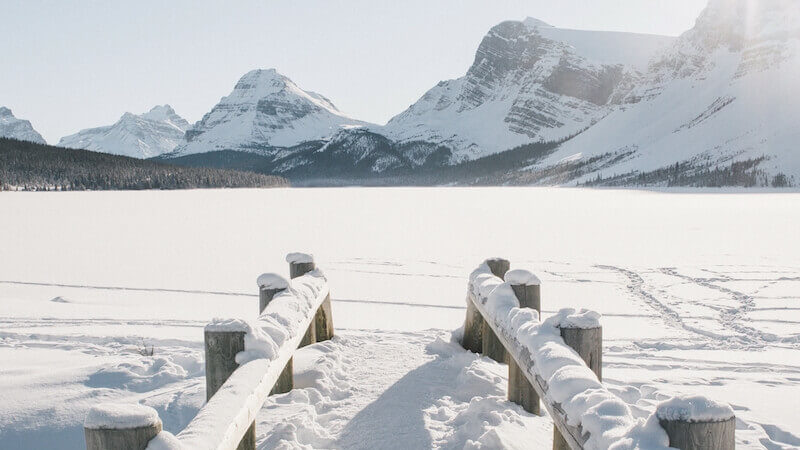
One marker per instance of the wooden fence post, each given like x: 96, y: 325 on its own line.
x: 473, y: 339
x: 696, y: 433
x: 527, y: 289
x: 221, y: 349
x: 588, y: 343
x: 270, y: 285
x: 299, y: 265
x: 120, y: 427
x: 491, y: 345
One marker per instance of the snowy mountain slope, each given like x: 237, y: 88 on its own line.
x: 146, y: 135
x: 725, y: 92
x: 265, y: 110
x: 529, y: 82
x: 11, y: 127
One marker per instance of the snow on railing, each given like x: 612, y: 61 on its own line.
x: 246, y: 361
x: 560, y: 361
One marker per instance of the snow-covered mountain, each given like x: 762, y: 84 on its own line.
x: 719, y: 105
x: 146, y: 135
x: 11, y: 127
x: 266, y: 110
x: 529, y: 82
x: 725, y: 95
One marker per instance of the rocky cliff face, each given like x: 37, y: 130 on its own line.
x: 723, y: 95
x: 146, y: 135
x: 11, y: 127
x: 266, y: 110
x: 529, y: 82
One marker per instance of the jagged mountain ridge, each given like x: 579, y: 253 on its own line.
x: 717, y: 99
x: 153, y: 133
x: 265, y: 111
x: 724, y: 93
x: 529, y: 82
x: 14, y: 128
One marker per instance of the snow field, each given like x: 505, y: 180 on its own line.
x: 696, y: 297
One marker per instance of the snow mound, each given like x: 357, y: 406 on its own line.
x: 60, y: 299
x: 139, y: 376
x: 164, y: 441
x: 299, y: 258
x: 576, y: 318
x: 519, y: 277
x: 272, y: 281
x: 219, y: 325
x: 120, y: 416
x: 694, y: 409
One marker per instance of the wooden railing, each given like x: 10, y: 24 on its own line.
x: 494, y: 333
x: 235, y: 392
x: 500, y: 323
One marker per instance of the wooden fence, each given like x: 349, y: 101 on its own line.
x: 484, y: 333
x: 235, y: 392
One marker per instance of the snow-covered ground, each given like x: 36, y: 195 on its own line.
x: 700, y: 294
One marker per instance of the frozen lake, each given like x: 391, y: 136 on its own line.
x: 700, y: 291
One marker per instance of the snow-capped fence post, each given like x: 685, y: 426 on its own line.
x: 222, y: 345
x: 697, y: 423
x: 527, y: 289
x: 490, y: 345
x: 270, y: 285
x: 587, y: 340
x: 321, y: 329
x: 120, y: 427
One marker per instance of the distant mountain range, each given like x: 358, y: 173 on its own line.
x: 539, y: 105
x: 146, y: 135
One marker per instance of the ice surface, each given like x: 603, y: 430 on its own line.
x: 120, y: 416
x: 694, y: 409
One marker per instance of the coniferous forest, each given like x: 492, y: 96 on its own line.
x: 35, y: 167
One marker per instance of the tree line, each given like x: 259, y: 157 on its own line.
x: 30, y: 166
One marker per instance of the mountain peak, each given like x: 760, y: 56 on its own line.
x: 160, y: 113
x: 532, y: 22
x: 139, y: 136
x: 11, y: 127
x: 265, y: 109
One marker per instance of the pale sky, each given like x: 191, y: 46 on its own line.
x: 68, y: 65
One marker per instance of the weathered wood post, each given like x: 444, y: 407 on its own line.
x: 115, y: 426
x: 299, y: 265
x: 223, y: 342
x: 270, y: 285
x: 527, y: 289
x: 697, y: 423
x: 584, y: 334
x: 321, y: 329
x: 490, y: 344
